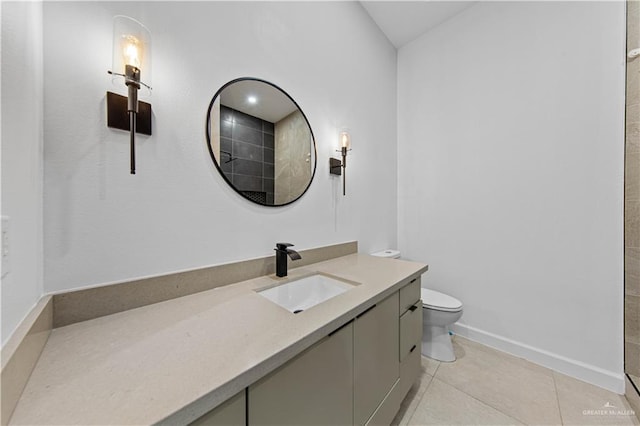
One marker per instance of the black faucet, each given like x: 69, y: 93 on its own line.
x: 281, y: 257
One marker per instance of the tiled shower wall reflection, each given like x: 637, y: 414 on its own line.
x: 632, y: 200
x: 247, y: 154
x: 293, y: 159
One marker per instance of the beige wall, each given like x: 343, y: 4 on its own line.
x: 632, y: 199
x: 293, y: 147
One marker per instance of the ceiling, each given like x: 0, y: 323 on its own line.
x: 404, y: 21
x: 269, y: 103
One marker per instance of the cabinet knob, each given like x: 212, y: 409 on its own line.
x: 413, y: 308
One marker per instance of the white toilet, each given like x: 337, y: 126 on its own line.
x: 438, y: 312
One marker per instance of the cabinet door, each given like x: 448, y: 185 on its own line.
x: 230, y: 413
x: 375, y: 350
x: 315, y: 388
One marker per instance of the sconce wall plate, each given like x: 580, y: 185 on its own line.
x: 118, y: 116
x: 335, y: 166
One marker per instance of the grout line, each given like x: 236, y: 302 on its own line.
x: 555, y: 387
x: 420, y: 400
x: 487, y: 404
x: 417, y: 398
x: 522, y: 422
x: 437, y: 368
x: 477, y: 399
x: 422, y: 396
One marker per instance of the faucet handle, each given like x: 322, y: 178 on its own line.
x: 283, y: 246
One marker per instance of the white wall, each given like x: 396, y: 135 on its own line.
x: 511, y: 133
x: 21, y: 158
x: 102, y: 225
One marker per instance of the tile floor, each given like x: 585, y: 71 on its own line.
x: 489, y: 387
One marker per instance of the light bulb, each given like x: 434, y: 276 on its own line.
x: 132, y: 51
x: 345, y: 140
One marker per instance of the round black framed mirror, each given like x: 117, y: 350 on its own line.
x: 261, y: 142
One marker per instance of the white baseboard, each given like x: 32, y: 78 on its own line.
x: 588, y: 373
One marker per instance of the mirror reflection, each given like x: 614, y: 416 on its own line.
x: 261, y: 142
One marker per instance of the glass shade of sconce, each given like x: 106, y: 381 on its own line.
x: 338, y: 167
x: 131, y: 64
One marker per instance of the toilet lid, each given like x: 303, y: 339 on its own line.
x: 436, y: 300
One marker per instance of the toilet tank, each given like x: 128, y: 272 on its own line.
x: 393, y: 254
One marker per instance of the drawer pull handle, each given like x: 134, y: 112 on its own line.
x: 368, y: 309
x: 413, y: 281
x: 413, y: 308
x: 339, y: 328
x: 412, y: 348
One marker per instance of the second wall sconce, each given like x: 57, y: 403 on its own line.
x: 131, y: 61
x: 337, y: 167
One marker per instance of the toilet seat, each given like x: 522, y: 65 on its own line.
x: 432, y: 299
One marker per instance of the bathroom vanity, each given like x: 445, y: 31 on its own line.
x: 231, y: 356
x: 358, y: 374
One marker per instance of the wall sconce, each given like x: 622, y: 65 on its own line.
x: 131, y: 61
x: 336, y: 166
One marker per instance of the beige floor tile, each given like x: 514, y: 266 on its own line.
x: 514, y: 386
x: 461, y: 345
x: 430, y: 365
x: 443, y: 404
x: 409, y: 404
x: 585, y: 404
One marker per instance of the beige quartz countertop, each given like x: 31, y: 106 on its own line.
x: 173, y: 361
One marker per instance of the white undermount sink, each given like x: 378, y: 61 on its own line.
x: 296, y: 296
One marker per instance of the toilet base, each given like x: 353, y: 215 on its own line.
x: 436, y: 343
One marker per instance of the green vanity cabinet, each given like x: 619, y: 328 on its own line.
x: 232, y: 412
x: 376, y: 365
x: 314, y: 388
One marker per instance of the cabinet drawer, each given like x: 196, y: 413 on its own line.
x: 411, y: 330
x: 410, y: 369
x: 409, y: 294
